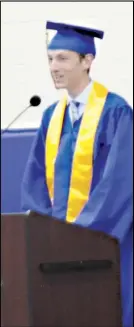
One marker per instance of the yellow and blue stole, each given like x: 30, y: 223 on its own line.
x: 82, y: 166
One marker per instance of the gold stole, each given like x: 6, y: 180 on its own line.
x: 82, y: 166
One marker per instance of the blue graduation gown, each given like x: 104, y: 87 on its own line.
x: 109, y: 207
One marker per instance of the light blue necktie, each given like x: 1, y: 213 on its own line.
x: 75, y: 110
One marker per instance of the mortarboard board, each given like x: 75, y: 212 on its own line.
x: 74, y: 38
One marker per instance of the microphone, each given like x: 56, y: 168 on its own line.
x: 34, y: 102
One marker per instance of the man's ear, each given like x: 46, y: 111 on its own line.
x: 88, y: 60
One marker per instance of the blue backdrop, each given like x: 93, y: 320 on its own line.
x: 15, y: 147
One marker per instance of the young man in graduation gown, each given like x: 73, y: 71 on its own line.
x: 80, y: 166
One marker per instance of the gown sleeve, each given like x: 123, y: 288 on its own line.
x: 34, y: 191
x: 109, y: 207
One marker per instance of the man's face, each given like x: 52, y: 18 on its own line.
x: 66, y: 68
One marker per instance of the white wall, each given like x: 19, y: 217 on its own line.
x: 24, y: 62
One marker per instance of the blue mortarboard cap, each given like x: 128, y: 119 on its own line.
x: 74, y: 38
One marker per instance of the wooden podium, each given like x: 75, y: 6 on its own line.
x: 58, y: 275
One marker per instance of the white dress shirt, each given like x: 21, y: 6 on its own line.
x: 74, y: 112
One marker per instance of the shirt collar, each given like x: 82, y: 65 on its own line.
x: 83, y: 96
